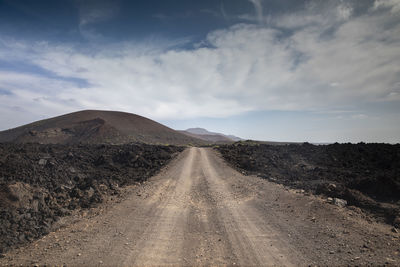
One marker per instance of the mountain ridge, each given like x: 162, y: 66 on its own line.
x: 204, y: 134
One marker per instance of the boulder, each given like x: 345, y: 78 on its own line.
x: 19, y: 195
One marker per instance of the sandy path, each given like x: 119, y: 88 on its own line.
x: 199, y: 211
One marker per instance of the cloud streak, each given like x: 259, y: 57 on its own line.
x: 259, y: 10
x: 96, y: 11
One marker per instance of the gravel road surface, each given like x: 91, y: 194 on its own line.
x: 199, y: 211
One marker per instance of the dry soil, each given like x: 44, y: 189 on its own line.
x: 199, y: 211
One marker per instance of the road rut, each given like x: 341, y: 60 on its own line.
x: 199, y: 211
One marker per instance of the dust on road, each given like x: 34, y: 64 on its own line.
x: 199, y: 211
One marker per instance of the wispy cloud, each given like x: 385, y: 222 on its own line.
x: 223, y: 11
x: 359, y: 116
x: 320, y: 14
x: 91, y: 11
x: 258, y: 9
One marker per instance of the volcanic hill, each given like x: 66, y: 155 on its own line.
x: 97, y: 127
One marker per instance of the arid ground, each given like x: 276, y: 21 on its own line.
x: 200, y: 211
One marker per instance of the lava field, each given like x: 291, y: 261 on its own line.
x: 41, y: 183
x: 365, y: 175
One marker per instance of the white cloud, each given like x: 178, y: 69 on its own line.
x: 344, y: 12
x: 33, y: 97
x: 393, y: 5
x: 242, y: 68
x: 359, y: 116
x: 319, y: 14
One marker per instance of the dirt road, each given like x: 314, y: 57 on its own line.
x: 199, y: 211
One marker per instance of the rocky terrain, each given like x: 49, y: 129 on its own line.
x: 198, y: 211
x: 39, y: 184
x: 362, y: 175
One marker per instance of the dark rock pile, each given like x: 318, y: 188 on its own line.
x: 41, y: 183
x: 365, y: 175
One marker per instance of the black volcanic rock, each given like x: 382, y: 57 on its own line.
x: 41, y: 183
x: 365, y: 175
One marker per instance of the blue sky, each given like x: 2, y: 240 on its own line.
x: 315, y: 70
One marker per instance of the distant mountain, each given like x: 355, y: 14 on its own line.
x: 200, y: 131
x: 95, y: 127
x: 205, y: 135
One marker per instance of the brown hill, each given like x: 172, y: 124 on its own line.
x: 94, y: 127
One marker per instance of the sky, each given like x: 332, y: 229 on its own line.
x: 276, y: 70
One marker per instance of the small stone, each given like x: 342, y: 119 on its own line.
x: 339, y: 202
x: 42, y: 162
x: 103, y: 187
x: 396, y: 222
x: 90, y: 192
x: 79, y: 254
x: 331, y: 187
x: 313, y: 219
x: 331, y: 252
x: 21, y: 237
x: 100, y: 262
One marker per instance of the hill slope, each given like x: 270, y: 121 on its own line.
x: 205, y: 135
x: 95, y: 126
